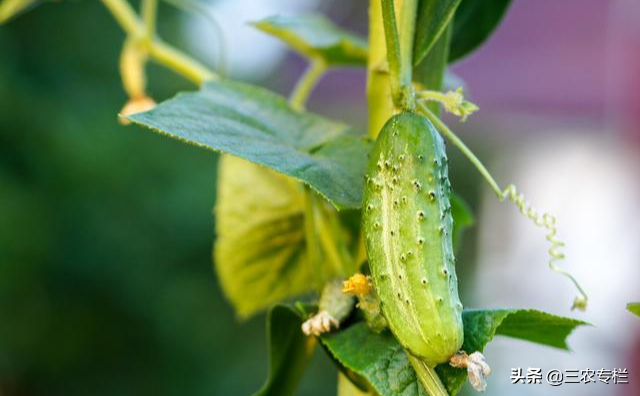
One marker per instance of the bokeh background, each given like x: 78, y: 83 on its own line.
x: 106, y: 283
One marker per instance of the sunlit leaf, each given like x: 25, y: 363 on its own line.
x: 634, y: 308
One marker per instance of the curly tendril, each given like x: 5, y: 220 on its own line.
x: 548, y: 222
x: 545, y: 220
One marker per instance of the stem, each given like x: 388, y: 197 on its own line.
x: 149, y: 12
x: 433, y: 96
x: 428, y: 377
x: 443, y: 129
x: 408, y: 12
x: 379, y: 97
x: 125, y: 16
x: 180, y: 63
x: 393, y: 46
x: 307, y: 82
x: 161, y: 52
x: 400, y: 50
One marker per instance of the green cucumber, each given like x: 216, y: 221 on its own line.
x: 408, y: 229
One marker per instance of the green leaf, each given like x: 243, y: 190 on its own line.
x: 259, y: 126
x: 462, y: 218
x: 473, y: 24
x: 430, y: 72
x: 10, y: 8
x: 480, y: 326
x: 634, y: 308
x: 260, y: 249
x: 382, y: 362
x: 289, y: 351
x: 314, y: 36
x: 433, y: 17
x: 378, y: 358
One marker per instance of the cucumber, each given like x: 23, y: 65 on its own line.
x: 408, y: 230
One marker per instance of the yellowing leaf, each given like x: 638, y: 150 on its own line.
x: 260, y: 251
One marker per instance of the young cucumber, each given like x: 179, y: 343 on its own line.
x: 408, y: 227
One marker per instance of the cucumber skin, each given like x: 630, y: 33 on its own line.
x: 408, y: 230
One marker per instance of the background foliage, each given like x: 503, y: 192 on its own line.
x: 106, y: 285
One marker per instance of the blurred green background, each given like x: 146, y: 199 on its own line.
x: 106, y: 284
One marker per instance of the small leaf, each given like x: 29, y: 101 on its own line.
x: 289, y: 351
x: 473, y: 24
x: 259, y: 126
x: 462, y: 218
x: 433, y: 17
x: 382, y: 362
x: 260, y: 250
x: 10, y: 8
x: 429, y: 73
x: 634, y: 308
x: 314, y: 36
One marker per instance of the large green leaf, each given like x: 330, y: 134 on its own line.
x: 289, y: 351
x: 314, y: 36
x: 382, y: 362
x: 473, y: 24
x: 259, y: 126
x: 260, y: 250
x: 10, y: 8
x: 634, y: 308
x: 433, y: 17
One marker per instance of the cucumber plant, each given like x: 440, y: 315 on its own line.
x: 311, y: 211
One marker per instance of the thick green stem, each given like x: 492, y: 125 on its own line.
x: 392, y: 41
x: 408, y: 11
x: 379, y: 98
x: 307, y: 82
x: 399, y: 44
x: 428, y: 377
x: 161, y: 52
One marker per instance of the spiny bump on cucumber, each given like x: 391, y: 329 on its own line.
x: 407, y: 225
